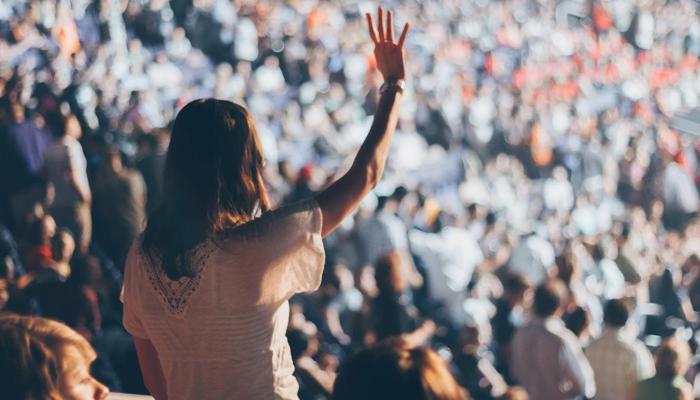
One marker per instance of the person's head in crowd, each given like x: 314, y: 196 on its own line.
x: 672, y: 358
x: 625, y: 233
x: 62, y: 249
x: 616, y: 314
x: 42, y: 230
x: 579, y: 322
x: 549, y: 298
x: 41, y: 359
x: 490, y: 219
x: 390, y: 274
x: 71, y: 127
x: 475, y: 211
x: 63, y: 245
x: 597, y: 252
x: 213, y: 180
x: 399, y: 194
x: 517, y: 290
x: 395, y: 369
x: 515, y: 393
x: 382, y: 202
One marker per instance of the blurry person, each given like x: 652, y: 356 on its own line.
x: 36, y: 252
x: 343, y: 302
x: 395, y: 369
x: 618, y: 360
x: 672, y: 360
x: 66, y: 168
x: 680, y: 197
x: 579, y: 323
x: 393, y: 309
x: 474, y: 366
x: 546, y: 358
x: 314, y: 381
x: 450, y: 255
x: 384, y: 232
x: 533, y: 257
x: 150, y: 162
x: 23, y: 143
x: 206, y: 291
x: 59, y: 292
x: 119, y: 206
x: 62, y: 249
x: 44, y: 359
x: 510, y: 314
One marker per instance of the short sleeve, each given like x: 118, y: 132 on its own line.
x: 305, y: 262
x: 292, y: 236
x: 130, y: 296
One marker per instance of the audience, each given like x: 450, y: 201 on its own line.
x: 538, y: 140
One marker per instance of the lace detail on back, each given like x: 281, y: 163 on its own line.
x: 175, y: 294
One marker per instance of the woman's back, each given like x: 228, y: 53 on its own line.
x: 221, y: 333
x: 218, y: 330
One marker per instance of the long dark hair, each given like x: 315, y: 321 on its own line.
x: 213, y: 181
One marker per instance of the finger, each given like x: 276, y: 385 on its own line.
x: 402, y: 38
x: 389, y: 27
x: 372, y: 32
x: 380, y: 27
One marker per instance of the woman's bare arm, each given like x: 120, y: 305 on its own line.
x: 150, y: 368
x: 341, y: 197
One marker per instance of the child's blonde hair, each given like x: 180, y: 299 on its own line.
x: 33, y: 356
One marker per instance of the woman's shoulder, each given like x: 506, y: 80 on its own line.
x: 283, y: 222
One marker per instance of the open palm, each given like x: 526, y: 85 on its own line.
x: 389, y: 54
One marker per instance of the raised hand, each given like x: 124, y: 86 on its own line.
x: 389, y: 54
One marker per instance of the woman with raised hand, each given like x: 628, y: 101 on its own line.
x: 206, y: 287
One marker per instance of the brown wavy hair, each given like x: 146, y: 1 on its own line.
x: 31, y: 353
x: 395, y: 369
x: 213, y: 181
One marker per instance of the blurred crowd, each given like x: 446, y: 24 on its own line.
x: 540, y: 200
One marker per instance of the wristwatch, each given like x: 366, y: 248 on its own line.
x: 396, y: 84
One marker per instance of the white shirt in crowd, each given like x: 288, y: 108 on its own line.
x: 619, y: 362
x: 381, y: 234
x: 450, y: 258
x: 221, y: 334
x: 534, y: 258
x: 548, y: 361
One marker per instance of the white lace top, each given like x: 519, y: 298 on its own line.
x: 221, y: 334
